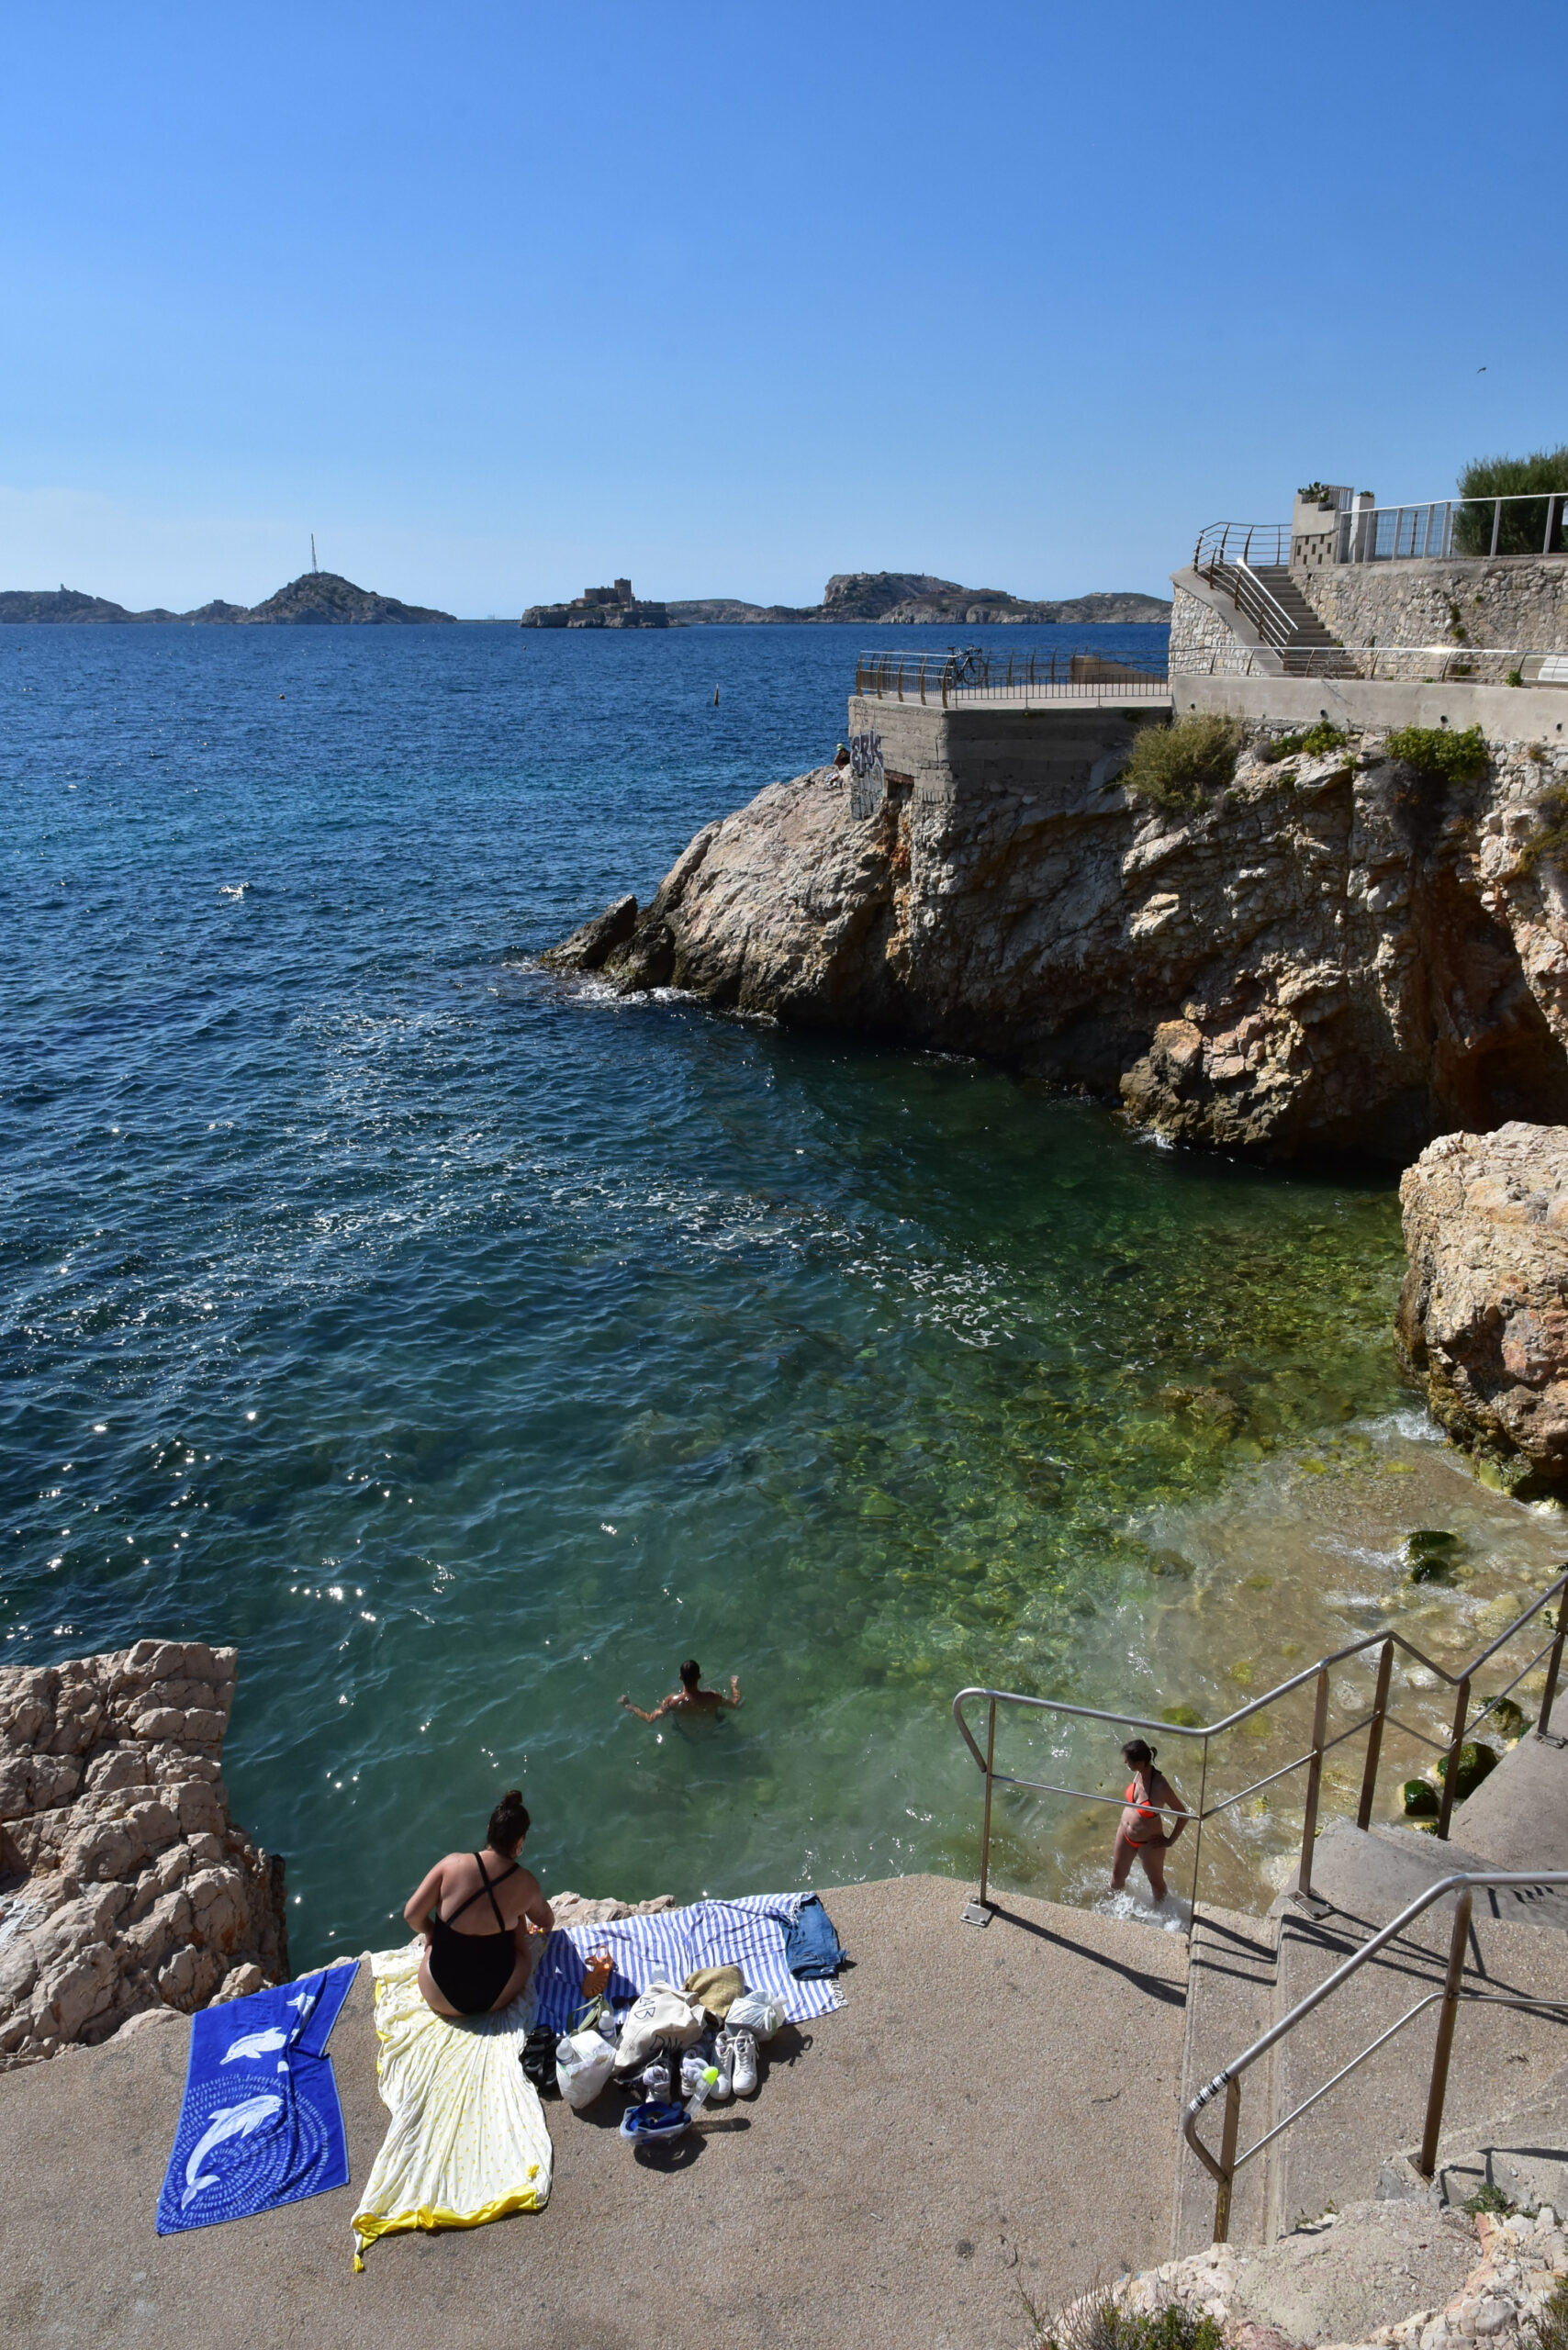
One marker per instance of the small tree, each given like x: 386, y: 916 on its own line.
x: 1523, y: 527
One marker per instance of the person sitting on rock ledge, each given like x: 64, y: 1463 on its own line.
x: 691, y: 1698
x: 473, y: 1968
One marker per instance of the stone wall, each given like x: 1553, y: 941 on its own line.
x: 1517, y: 603
x: 1202, y: 646
x: 124, y: 1886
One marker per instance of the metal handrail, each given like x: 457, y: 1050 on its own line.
x: 1311, y: 1758
x: 979, y: 673
x: 1252, y: 595
x: 1223, y: 2168
x: 1248, y: 543
x: 1430, y: 530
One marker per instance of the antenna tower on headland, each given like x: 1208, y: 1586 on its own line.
x: 314, y: 565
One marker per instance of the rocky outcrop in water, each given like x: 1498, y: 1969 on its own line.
x: 124, y: 1885
x: 316, y: 599
x: 1483, y: 1322
x: 1335, y: 955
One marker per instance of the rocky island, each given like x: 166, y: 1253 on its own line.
x: 912, y: 599
x: 316, y: 599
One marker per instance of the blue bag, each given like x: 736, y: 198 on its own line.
x: 811, y: 1945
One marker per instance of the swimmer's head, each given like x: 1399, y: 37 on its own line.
x: 509, y: 1824
x: 690, y: 1674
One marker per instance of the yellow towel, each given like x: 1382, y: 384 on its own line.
x: 467, y: 2140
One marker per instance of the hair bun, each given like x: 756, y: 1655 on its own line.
x: 513, y: 1795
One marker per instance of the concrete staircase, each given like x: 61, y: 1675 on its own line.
x: 1312, y: 649
x: 1507, y: 2095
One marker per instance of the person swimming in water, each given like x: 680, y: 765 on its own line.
x: 470, y: 1968
x: 691, y: 1698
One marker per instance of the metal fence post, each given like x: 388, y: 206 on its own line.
x: 1441, y: 2052
x: 1374, y: 1739
x: 1496, y: 524
x: 1554, y: 1667
x: 1313, y: 1782
x: 1462, y: 1707
x: 985, y: 1831
x: 1226, y: 2160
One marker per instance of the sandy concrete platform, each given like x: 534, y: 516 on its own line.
x: 991, y: 2114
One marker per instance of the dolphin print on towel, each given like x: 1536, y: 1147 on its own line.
x: 228, y: 2121
x: 261, y: 2123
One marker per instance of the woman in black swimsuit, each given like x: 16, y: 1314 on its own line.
x: 470, y: 1966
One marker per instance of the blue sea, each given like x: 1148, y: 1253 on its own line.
x: 469, y: 1346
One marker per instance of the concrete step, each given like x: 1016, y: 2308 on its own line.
x: 1519, y: 1817
x: 1524, y: 2154
x: 1502, y: 2058
x: 1230, y: 1996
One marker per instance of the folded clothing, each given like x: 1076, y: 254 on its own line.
x: 812, y: 1948
x: 668, y: 1946
x: 260, y: 2123
x: 467, y: 2139
x: 715, y: 1987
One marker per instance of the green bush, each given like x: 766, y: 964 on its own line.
x: 1442, y: 754
x: 1176, y: 767
x: 1523, y: 528
x: 1315, y: 743
x: 1550, y: 843
x: 1098, y: 2323
x: 1550, y: 2328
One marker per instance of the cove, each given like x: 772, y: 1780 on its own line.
x: 469, y: 1346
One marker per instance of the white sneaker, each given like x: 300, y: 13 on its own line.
x: 743, y: 2046
x: 725, y: 2058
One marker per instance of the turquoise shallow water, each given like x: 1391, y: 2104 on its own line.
x: 469, y: 1348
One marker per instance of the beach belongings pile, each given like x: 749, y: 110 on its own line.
x: 674, y: 2046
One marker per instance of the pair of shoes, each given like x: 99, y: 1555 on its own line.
x: 741, y: 2050
x: 645, y: 2124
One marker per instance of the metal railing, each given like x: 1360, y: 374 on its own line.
x: 978, y: 674
x: 1256, y: 601
x: 1526, y: 524
x: 1435, y: 665
x: 1312, y: 1759
x: 1248, y: 543
x: 1223, y: 2168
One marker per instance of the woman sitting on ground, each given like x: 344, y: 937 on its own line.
x: 1141, y: 1833
x: 475, y: 1912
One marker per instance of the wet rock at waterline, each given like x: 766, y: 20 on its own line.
x: 587, y: 947
x: 1482, y: 1320
x: 1334, y: 954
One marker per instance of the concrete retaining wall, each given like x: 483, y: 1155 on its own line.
x: 1503, y: 713
x: 1048, y: 755
x: 1516, y: 601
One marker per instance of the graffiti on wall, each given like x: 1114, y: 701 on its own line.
x: 868, y: 779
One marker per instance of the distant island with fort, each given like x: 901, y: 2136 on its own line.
x: 326, y: 599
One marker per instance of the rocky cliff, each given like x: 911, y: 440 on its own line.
x: 1338, y: 953
x: 124, y: 1885
x: 1483, y: 1322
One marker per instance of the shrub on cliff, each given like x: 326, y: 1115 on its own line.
x: 1522, y: 530
x: 1178, y: 766
x: 1441, y: 753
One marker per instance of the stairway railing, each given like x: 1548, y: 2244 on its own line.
x: 1222, y: 2168
x: 1312, y: 1759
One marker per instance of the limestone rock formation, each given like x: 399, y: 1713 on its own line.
x: 124, y: 1886
x: 1335, y: 955
x: 1483, y: 1321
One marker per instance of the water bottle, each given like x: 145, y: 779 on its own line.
x: 700, y: 2095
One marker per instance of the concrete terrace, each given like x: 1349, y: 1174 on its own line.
x: 991, y: 2114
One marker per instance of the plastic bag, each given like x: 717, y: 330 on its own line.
x: 751, y: 2012
x: 661, y: 2013
x: 584, y: 2061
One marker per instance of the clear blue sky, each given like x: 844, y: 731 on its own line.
x: 502, y: 300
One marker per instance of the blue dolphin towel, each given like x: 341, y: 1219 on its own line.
x: 261, y: 2123
x: 812, y: 1948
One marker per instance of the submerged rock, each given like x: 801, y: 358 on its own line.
x: 124, y: 1885
x: 1482, y: 1320
x: 1350, y: 965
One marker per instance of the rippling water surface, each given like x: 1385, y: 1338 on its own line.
x: 469, y: 1349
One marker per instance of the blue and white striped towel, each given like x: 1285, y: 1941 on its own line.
x: 673, y: 1943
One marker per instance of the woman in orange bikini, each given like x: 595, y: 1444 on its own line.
x: 1142, y: 1834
